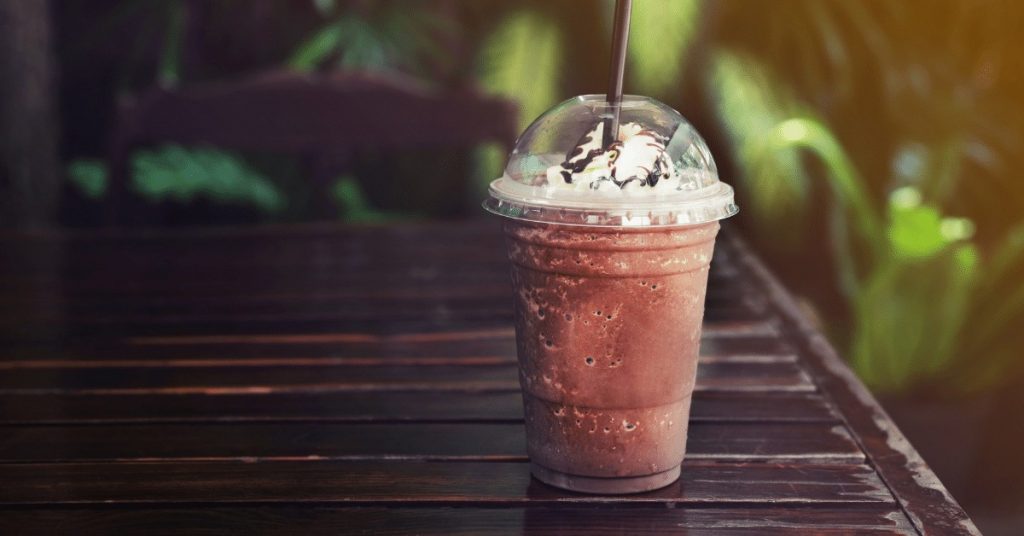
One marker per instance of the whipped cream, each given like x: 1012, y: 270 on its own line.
x: 635, y: 162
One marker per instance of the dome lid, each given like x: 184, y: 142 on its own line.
x: 657, y: 172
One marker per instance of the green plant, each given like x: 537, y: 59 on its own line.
x: 750, y: 102
x: 520, y: 60
x: 89, y: 176
x: 174, y: 173
x: 355, y: 207
x: 910, y: 93
x: 916, y: 294
x: 379, y: 37
x: 905, y: 95
x: 890, y: 115
x: 911, y: 310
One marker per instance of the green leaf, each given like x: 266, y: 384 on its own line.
x: 998, y: 311
x: 174, y: 173
x: 750, y: 102
x: 382, y: 37
x: 661, y: 35
x: 350, y: 196
x: 917, y: 230
x: 847, y: 185
x: 90, y: 176
x: 521, y: 60
x: 910, y: 316
x: 1008, y: 255
x: 417, y: 33
x: 488, y: 164
x: 914, y: 230
x: 842, y: 251
x: 356, y: 207
x: 363, y: 46
x: 315, y: 50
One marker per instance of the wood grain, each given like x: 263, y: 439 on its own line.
x: 312, y: 520
x: 420, y: 483
x: 489, y: 342
x: 505, y: 406
x: 718, y: 375
x: 922, y: 496
x: 817, y: 442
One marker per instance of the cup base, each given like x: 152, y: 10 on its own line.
x: 604, y: 485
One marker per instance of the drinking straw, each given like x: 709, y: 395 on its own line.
x: 620, y: 38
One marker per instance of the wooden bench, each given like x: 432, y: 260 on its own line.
x: 324, y: 120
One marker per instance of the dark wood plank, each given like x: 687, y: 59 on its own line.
x: 441, y: 320
x: 875, y: 519
x: 267, y: 378
x: 258, y: 245
x: 128, y: 273
x: 230, y: 275
x: 490, y: 342
x: 719, y: 375
x: 437, y: 316
x: 174, y: 299
x: 923, y: 497
x: 279, y: 269
x: 144, y: 361
x: 404, y: 483
x: 181, y: 289
x: 752, y: 376
x: 321, y: 250
x: 350, y: 251
x: 708, y: 406
x: 817, y: 442
x: 145, y: 317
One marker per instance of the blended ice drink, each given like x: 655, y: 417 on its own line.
x: 610, y: 247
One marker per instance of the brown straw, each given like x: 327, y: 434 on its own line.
x: 620, y: 38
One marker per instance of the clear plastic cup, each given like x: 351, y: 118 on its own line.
x: 610, y: 248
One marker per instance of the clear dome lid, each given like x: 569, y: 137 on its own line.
x: 656, y: 171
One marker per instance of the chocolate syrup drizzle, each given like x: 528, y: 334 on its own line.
x: 573, y: 164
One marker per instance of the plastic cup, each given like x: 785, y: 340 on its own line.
x: 609, y: 278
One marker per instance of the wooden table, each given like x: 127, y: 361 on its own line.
x: 325, y: 379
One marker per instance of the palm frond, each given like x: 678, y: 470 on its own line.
x: 750, y: 103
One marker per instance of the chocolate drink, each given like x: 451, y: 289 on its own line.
x: 610, y: 239
x: 608, y: 325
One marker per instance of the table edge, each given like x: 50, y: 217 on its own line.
x: 911, y: 481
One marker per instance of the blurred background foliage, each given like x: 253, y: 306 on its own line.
x: 387, y: 36
x: 872, y: 143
